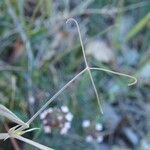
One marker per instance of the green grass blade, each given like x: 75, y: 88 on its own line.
x: 39, y: 146
x: 139, y: 26
x: 10, y: 115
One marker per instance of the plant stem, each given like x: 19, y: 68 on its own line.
x: 55, y: 96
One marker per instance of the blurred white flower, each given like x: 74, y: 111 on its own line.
x: 47, y: 129
x: 64, y: 109
x: 85, y: 123
x: 55, y: 118
x: 98, y: 127
x: 92, y: 131
x: 63, y: 131
x: 43, y: 115
x: 69, y: 116
x: 67, y: 125
x: 89, y: 138
x: 99, y: 139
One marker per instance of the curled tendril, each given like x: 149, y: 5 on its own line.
x: 96, y: 68
x: 89, y: 69
x: 86, y: 63
x: 117, y: 73
x: 81, y: 42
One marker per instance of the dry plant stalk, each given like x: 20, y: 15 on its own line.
x: 22, y: 127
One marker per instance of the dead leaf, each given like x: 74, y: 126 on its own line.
x: 100, y: 50
x: 16, y: 51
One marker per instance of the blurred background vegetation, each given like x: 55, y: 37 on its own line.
x: 39, y: 54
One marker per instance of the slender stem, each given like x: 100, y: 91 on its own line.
x: 117, y: 73
x: 79, y: 32
x: 96, y: 93
x: 86, y: 63
x: 55, y: 96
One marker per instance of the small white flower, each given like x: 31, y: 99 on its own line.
x: 89, y: 138
x: 64, y: 109
x: 100, y: 139
x: 43, y: 115
x: 85, y: 123
x: 69, y: 116
x: 47, y: 129
x: 63, y: 131
x: 67, y: 125
x: 98, y: 127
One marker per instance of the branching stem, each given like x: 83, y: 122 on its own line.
x: 56, y: 95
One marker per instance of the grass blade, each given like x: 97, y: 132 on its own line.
x: 10, y: 115
x: 139, y: 26
x: 3, y: 136
x: 39, y: 146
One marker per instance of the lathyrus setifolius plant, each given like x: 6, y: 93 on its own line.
x: 22, y: 127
